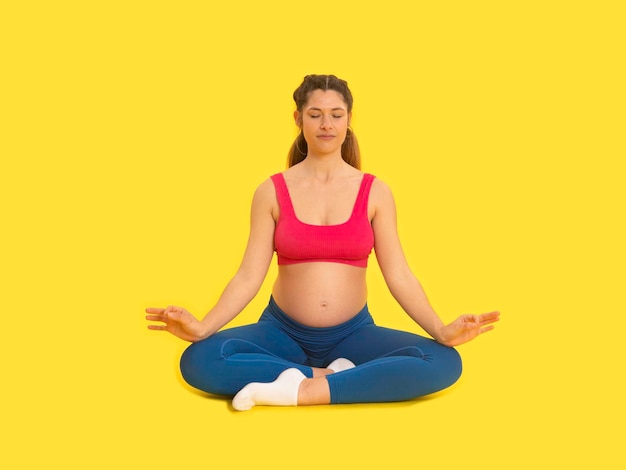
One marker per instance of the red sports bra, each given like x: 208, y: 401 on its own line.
x: 297, y: 242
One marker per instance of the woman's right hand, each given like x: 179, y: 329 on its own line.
x: 177, y: 321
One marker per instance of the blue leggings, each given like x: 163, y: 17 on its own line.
x: 391, y: 365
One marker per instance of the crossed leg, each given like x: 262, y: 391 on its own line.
x: 260, y: 364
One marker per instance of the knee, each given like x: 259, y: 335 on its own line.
x: 189, y: 365
x: 444, y: 362
x: 196, y: 365
x: 450, y: 366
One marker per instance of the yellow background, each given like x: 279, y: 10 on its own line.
x: 134, y: 133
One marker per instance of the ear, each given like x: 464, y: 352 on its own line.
x: 297, y: 117
x: 349, y: 118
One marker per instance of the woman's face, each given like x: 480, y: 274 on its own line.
x: 324, y: 121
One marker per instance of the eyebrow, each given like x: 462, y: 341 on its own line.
x: 320, y: 109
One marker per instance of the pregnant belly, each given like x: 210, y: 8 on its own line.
x: 320, y: 294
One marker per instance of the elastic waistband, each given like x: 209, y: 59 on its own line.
x: 316, y: 341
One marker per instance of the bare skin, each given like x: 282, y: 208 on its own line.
x: 323, y: 189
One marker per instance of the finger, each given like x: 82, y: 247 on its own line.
x: 489, y: 322
x: 155, y: 310
x: 157, y: 327
x: 486, y: 329
x: 490, y: 314
x: 490, y: 317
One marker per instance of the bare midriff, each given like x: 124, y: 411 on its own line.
x: 320, y: 294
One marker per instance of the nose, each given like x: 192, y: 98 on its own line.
x: 326, y: 123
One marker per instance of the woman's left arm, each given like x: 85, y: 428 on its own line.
x: 403, y: 284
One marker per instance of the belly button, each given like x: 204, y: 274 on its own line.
x: 324, y: 304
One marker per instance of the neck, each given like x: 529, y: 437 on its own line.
x: 324, y: 167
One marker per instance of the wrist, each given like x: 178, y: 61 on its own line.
x: 206, y: 328
x: 440, y: 336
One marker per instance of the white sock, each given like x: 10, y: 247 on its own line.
x: 340, y: 364
x: 281, y: 392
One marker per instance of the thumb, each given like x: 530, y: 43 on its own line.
x: 469, y: 323
x: 174, y: 314
x: 171, y: 312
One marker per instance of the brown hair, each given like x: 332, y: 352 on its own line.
x: 350, y: 147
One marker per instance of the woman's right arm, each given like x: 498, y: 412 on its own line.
x: 242, y: 287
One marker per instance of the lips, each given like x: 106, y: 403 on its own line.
x: 326, y: 137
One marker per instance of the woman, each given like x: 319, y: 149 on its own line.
x: 316, y: 342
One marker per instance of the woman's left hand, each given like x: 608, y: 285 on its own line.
x: 466, y: 328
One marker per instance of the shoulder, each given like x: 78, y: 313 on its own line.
x: 265, y: 192
x: 380, y: 192
x: 382, y: 206
x: 265, y: 199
